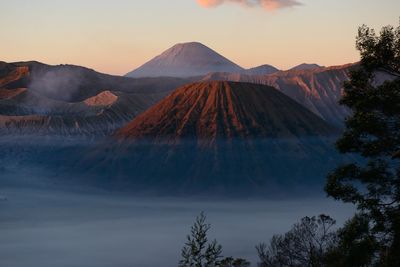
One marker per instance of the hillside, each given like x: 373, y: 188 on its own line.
x: 319, y: 90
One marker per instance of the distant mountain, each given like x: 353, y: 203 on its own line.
x: 261, y: 70
x: 318, y: 89
x: 36, y: 98
x: 75, y: 83
x: 213, y: 110
x: 306, y: 66
x: 186, y: 60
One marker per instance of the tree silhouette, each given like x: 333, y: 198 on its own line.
x: 373, y: 133
x: 306, y: 244
x: 198, y: 252
x: 231, y: 262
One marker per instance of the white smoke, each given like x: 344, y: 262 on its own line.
x: 61, y: 82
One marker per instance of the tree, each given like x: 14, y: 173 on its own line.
x: 198, y: 252
x: 306, y: 244
x: 372, y: 132
x: 355, y: 245
x: 231, y: 262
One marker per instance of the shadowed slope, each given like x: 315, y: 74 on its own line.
x: 11, y: 93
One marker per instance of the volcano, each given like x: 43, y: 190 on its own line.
x: 217, y: 137
x: 186, y: 60
x: 225, y: 110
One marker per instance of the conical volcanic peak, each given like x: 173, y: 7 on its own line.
x: 186, y: 60
x: 225, y: 110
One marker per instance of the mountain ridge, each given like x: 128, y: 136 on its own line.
x: 319, y: 89
x: 306, y: 66
x: 41, y: 99
x: 261, y: 70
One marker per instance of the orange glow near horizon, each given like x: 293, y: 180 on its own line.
x: 120, y: 36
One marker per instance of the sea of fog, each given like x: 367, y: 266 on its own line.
x: 51, y: 228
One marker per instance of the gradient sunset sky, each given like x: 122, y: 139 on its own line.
x: 116, y: 36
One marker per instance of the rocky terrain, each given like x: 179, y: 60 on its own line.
x: 319, y: 90
x: 36, y: 98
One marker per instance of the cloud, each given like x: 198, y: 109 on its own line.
x: 269, y: 5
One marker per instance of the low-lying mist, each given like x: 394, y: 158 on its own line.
x: 76, y: 202
x: 225, y: 168
x: 90, y: 229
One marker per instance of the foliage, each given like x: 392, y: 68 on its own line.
x: 355, y: 245
x: 306, y: 244
x: 198, y: 252
x: 372, y: 237
x: 231, y: 262
x: 381, y: 52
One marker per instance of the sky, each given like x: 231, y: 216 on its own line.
x: 117, y: 36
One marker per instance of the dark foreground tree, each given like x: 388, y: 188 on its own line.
x: 372, y: 237
x: 199, y: 252
x: 305, y: 245
x: 355, y: 245
x: 231, y: 262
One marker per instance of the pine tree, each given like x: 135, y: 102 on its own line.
x: 198, y: 252
x: 372, y: 133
